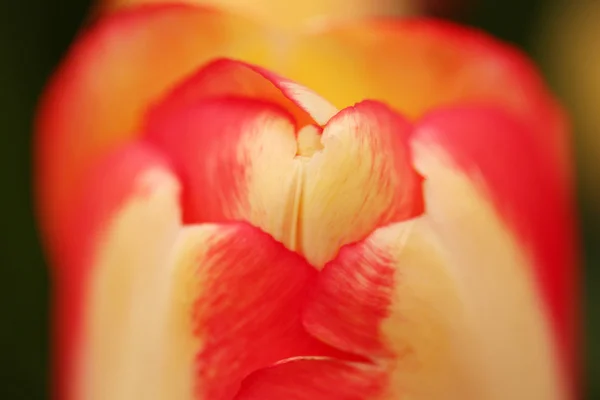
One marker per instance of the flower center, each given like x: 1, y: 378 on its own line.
x: 309, y: 141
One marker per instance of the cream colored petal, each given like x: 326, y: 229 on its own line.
x: 126, y: 299
x: 499, y: 329
x: 363, y: 178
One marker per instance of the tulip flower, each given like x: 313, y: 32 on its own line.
x: 374, y: 210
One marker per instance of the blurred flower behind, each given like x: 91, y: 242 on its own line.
x: 238, y: 211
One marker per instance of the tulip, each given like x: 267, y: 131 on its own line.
x: 374, y: 210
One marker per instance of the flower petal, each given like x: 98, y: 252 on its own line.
x: 236, y: 159
x: 235, y: 307
x: 230, y: 78
x: 126, y: 224
x: 363, y: 178
x: 98, y: 97
x: 450, y: 302
x: 527, y: 189
x: 313, y: 378
x: 240, y: 159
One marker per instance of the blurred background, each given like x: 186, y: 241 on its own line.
x: 563, y: 36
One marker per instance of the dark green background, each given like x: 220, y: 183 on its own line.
x: 34, y: 35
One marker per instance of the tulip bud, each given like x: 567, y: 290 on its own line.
x: 382, y: 210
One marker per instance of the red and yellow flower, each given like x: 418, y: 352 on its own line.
x: 402, y: 229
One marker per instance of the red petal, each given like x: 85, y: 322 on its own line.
x: 235, y: 157
x: 236, y: 301
x: 315, y: 379
x: 352, y: 299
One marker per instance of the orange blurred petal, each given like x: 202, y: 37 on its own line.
x: 417, y: 65
x: 225, y: 78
